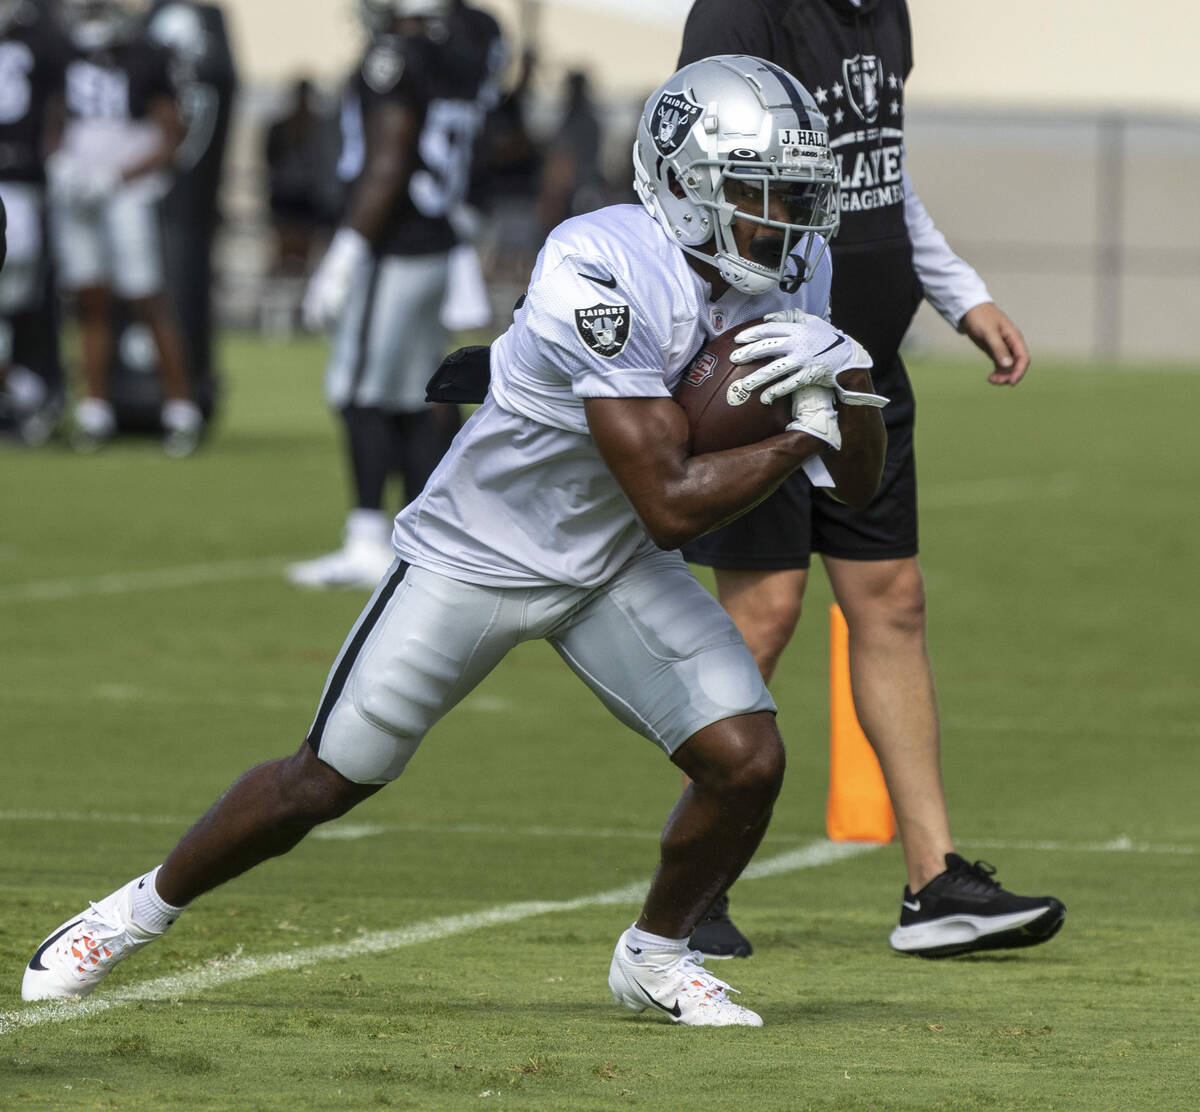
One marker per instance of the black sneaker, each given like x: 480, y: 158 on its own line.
x: 964, y: 909
x: 715, y: 935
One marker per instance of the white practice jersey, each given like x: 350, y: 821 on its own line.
x: 523, y: 497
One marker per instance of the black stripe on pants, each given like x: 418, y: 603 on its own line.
x: 338, y: 683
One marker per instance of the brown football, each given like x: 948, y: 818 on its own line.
x: 703, y: 392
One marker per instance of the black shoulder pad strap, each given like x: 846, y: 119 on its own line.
x: 463, y: 377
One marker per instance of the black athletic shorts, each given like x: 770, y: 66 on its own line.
x: 800, y: 519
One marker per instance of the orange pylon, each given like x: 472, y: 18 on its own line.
x: 859, y: 809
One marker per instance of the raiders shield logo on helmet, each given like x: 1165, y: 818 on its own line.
x: 382, y: 68
x: 671, y: 121
x: 604, y: 328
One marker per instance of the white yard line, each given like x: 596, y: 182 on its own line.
x: 934, y: 495
x: 1121, y: 844
x: 240, y: 967
x: 346, y: 831
x: 122, y: 583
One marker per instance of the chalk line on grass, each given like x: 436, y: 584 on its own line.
x: 241, y: 967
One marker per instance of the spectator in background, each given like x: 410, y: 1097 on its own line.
x: 205, y: 79
x: 295, y: 159
x: 105, y: 181
x: 571, y: 181
x: 855, y: 57
x: 510, y: 163
x: 32, y: 61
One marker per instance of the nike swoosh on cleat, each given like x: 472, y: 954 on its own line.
x: 675, y: 1011
x: 35, y: 962
x: 142, y: 883
x: 914, y: 906
x: 610, y: 282
x: 631, y: 949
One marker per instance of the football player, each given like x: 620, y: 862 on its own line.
x: 855, y: 55
x: 32, y: 59
x: 557, y: 514
x: 105, y: 182
x: 410, y: 119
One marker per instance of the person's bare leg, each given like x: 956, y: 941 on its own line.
x: 894, y: 698
x: 265, y: 813
x: 736, y: 770
x: 94, y: 307
x: 168, y: 341
x: 765, y: 606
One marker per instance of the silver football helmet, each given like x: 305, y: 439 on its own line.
x: 9, y: 11
x: 737, y: 138
x: 377, y: 15
x: 99, y: 24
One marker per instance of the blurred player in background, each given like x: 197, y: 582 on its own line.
x: 294, y: 155
x: 204, y: 77
x: 557, y: 515
x: 572, y: 181
x: 410, y: 120
x: 855, y: 57
x: 32, y: 62
x: 106, y: 180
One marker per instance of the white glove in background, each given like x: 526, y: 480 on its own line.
x: 70, y: 181
x: 329, y: 288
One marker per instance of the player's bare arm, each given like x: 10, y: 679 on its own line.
x: 163, y: 111
x: 858, y: 465
x: 678, y: 496
x: 392, y: 142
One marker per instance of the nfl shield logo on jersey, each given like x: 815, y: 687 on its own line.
x: 863, y: 75
x: 673, y: 117
x: 604, y: 328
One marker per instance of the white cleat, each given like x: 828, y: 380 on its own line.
x: 360, y: 564
x: 82, y: 952
x: 680, y: 988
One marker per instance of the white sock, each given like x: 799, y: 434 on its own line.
x: 27, y: 390
x: 373, y: 526
x: 654, y: 943
x: 95, y: 416
x: 150, y: 911
x: 181, y: 415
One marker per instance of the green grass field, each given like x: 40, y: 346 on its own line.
x: 447, y: 944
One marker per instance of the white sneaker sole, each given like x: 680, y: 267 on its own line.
x: 959, y: 930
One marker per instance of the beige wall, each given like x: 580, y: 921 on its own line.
x: 1030, y: 52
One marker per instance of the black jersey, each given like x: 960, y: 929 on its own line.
x: 855, y: 61
x: 32, y: 61
x: 440, y: 84
x: 119, y: 82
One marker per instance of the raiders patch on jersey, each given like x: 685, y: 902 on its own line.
x: 382, y: 68
x: 604, y: 328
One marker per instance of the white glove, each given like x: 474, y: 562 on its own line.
x: 813, y: 413
x: 71, y: 182
x: 807, y: 350
x: 329, y: 288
